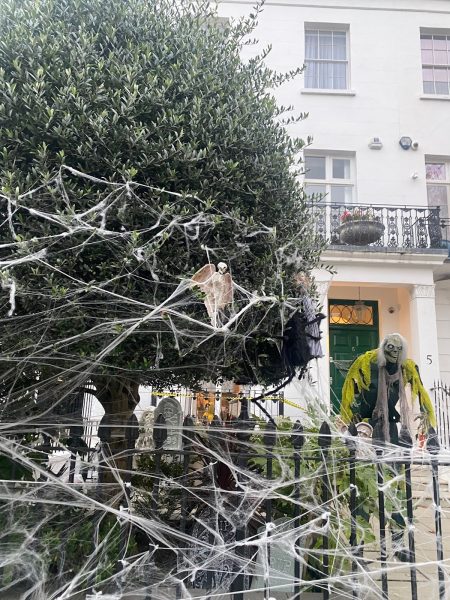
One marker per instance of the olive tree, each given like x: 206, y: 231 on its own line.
x: 136, y: 146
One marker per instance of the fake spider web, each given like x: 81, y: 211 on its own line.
x: 239, y: 508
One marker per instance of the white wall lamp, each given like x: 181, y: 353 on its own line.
x: 375, y: 143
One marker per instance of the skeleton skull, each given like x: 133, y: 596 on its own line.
x: 222, y: 268
x: 392, y: 348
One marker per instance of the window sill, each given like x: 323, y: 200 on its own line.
x: 326, y: 92
x: 434, y: 97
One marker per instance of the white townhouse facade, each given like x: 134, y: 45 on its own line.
x: 376, y: 88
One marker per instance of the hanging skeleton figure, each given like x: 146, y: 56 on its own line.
x: 217, y: 285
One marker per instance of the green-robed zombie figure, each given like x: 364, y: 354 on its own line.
x: 374, y: 390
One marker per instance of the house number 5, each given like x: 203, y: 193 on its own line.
x: 429, y: 359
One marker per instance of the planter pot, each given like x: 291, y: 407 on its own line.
x: 360, y: 233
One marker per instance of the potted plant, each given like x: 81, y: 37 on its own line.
x: 359, y: 227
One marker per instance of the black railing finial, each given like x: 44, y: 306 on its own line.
x: 160, y: 431
x: 405, y: 439
x: 270, y: 435
x: 433, y: 445
x: 188, y: 431
x: 352, y: 429
x: 324, y: 436
x: 298, y: 436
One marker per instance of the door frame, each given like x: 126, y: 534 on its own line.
x: 335, y: 327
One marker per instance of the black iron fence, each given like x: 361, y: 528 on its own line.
x: 391, y: 227
x: 304, y: 507
x: 244, y: 508
x: 442, y: 406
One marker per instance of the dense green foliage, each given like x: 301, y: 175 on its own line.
x: 68, y: 543
x: 157, y: 94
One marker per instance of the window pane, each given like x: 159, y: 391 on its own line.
x: 339, y: 76
x: 426, y: 42
x: 438, y: 196
x: 315, y: 167
x: 341, y: 168
x: 428, y: 87
x: 311, y: 44
x: 435, y: 171
x: 439, y: 42
x: 341, y: 194
x: 325, y: 75
x: 441, y: 74
x: 441, y: 87
x: 311, y: 189
x: 441, y: 57
x: 325, y: 44
x: 339, y: 45
x: 427, y: 74
x: 311, y: 75
x: 427, y: 57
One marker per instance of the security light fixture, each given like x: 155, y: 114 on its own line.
x: 405, y: 142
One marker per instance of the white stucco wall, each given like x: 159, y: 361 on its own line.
x: 443, y: 327
x: 385, y: 81
x: 384, y: 100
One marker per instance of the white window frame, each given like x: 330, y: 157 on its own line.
x: 434, y: 65
x: 329, y: 27
x: 329, y: 181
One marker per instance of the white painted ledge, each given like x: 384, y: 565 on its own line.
x: 323, y: 92
x: 434, y: 97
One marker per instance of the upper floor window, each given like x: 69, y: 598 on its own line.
x: 438, y: 184
x: 330, y: 175
x: 326, y: 57
x: 435, y: 62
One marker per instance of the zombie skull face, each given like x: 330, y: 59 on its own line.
x: 392, y: 348
x: 364, y: 430
x: 222, y: 268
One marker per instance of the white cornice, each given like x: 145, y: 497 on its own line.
x: 385, y: 258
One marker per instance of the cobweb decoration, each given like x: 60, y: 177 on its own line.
x: 237, y: 508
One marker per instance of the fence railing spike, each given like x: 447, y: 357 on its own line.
x: 352, y: 429
x: 188, y: 430
x: 405, y: 439
x: 216, y: 422
x: 160, y: 431
x: 324, y: 436
x: 298, y: 436
x: 270, y: 436
x: 433, y: 445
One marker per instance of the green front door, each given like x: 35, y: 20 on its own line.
x: 353, y: 330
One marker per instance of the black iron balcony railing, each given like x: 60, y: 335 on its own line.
x: 393, y: 227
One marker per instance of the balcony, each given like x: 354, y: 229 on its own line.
x: 375, y: 227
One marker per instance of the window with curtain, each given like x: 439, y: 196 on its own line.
x: 330, y: 175
x: 435, y: 49
x: 326, y: 59
x: 438, y: 184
